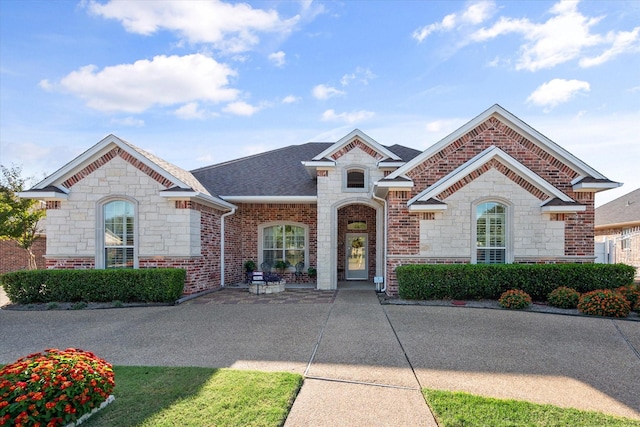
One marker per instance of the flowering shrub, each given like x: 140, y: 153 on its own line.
x: 515, y: 299
x: 564, y: 297
x: 604, y: 302
x: 53, y: 388
x: 631, y: 293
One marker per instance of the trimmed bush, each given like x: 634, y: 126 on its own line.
x: 604, y: 302
x: 631, y: 293
x: 515, y: 299
x: 564, y: 297
x: 482, y: 281
x: 126, y: 285
x: 637, y: 307
x: 53, y: 388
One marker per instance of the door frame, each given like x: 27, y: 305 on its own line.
x: 366, y: 256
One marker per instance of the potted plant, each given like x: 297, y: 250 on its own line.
x: 280, y: 266
x: 249, y: 266
x: 312, y: 272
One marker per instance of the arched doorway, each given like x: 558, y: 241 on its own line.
x: 357, y: 244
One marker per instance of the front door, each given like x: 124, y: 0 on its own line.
x: 357, y: 268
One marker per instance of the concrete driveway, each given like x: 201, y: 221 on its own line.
x: 364, y: 362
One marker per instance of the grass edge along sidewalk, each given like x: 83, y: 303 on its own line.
x: 457, y: 409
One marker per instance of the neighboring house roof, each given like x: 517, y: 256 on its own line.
x: 623, y: 211
x: 276, y: 173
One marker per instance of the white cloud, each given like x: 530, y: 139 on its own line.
x: 129, y: 121
x: 566, y: 36
x: 350, y: 118
x: 277, y: 58
x: 165, y: 80
x: 360, y: 75
x: 557, y: 91
x: 241, y: 108
x: 621, y: 42
x: 190, y: 111
x: 230, y: 27
x: 290, y: 99
x: 474, y: 14
x: 325, y: 92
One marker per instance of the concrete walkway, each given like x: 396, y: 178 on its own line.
x: 364, y: 362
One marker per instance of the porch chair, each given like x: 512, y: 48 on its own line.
x: 299, y: 273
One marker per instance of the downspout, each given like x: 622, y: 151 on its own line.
x: 222, y: 239
x: 384, y: 203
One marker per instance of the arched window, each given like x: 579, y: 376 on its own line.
x: 355, y: 178
x: 284, y: 242
x: 491, y: 233
x: 118, y: 238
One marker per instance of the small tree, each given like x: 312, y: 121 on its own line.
x: 19, y: 218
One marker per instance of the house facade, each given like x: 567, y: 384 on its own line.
x: 494, y: 191
x: 617, y: 231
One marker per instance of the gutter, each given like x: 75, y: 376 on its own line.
x: 384, y: 203
x: 222, y: 240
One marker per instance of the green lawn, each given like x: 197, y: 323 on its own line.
x: 160, y: 396
x: 455, y: 409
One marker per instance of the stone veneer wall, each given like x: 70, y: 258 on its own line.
x: 332, y: 195
x: 169, y: 233
x: 548, y: 238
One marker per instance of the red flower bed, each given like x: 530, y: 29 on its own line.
x: 53, y: 388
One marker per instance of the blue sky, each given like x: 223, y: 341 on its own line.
x: 201, y: 82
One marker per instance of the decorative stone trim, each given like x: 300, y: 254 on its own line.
x: 52, y: 204
x: 353, y: 144
x: 270, y: 288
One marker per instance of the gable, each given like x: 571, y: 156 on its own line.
x: 357, y: 139
x: 498, y: 127
x: 176, y: 183
x: 493, y: 158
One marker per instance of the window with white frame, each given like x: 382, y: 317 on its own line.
x: 491, y: 233
x: 625, y: 242
x: 118, y: 239
x: 284, y: 242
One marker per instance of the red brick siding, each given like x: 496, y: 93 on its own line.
x: 13, y: 257
x: 353, y: 144
x: 252, y: 215
x: 404, y: 227
x: 358, y: 213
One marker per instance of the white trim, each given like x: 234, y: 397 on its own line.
x: 43, y: 195
x: 595, y: 186
x: 428, y: 208
x: 198, y: 197
x: 99, y: 260
x: 515, y: 123
x: 564, y: 209
x: 345, y: 179
x: 261, y: 248
x: 318, y: 163
x: 394, y: 184
x: 480, y: 160
x: 366, y: 139
x: 271, y: 199
x: 508, y: 229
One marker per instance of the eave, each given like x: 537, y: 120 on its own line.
x: 196, y: 196
x: 272, y: 199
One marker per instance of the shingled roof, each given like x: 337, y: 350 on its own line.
x: 278, y: 172
x: 624, y: 210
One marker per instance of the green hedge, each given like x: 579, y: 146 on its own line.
x: 125, y: 285
x: 482, y: 281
